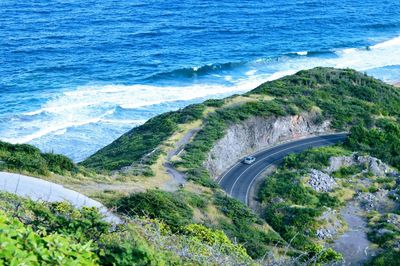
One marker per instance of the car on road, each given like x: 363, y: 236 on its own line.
x: 249, y: 160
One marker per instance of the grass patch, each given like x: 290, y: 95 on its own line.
x: 142, y: 140
x: 27, y: 158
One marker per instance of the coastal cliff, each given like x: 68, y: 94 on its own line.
x: 257, y: 133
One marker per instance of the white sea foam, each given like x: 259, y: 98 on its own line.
x: 228, y: 78
x: 50, y: 127
x: 302, y: 53
x: 395, y: 42
x: 95, y: 104
x: 87, y: 105
x: 251, y: 72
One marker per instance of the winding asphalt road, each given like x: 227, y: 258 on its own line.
x: 238, y: 180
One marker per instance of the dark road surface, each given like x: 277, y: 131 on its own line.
x: 238, y: 180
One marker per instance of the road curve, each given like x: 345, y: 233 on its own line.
x: 238, y: 180
x: 41, y: 190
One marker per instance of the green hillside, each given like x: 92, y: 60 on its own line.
x: 199, y: 216
x: 344, y: 96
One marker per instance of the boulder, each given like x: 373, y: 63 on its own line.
x: 321, y: 182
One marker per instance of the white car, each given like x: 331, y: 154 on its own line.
x: 249, y: 160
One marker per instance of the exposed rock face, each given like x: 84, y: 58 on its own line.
x: 335, y: 163
x: 324, y: 233
x: 257, y: 133
x: 331, y: 227
x: 378, y: 201
x: 376, y: 166
x: 321, y: 182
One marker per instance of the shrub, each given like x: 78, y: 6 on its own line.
x: 21, y: 245
x: 58, y: 163
x: 23, y: 157
x: 127, y: 247
x: 319, y: 254
x: 382, y: 142
x: 215, y: 238
x: 386, y: 258
x: 114, y: 245
x: 162, y: 205
x: 243, y: 226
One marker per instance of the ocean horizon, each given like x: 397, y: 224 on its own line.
x: 75, y: 75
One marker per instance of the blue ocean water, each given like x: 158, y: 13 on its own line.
x: 74, y: 74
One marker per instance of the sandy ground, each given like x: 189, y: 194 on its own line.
x: 353, y: 243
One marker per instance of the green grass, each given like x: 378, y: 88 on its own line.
x: 170, y: 208
x: 385, y: 235
x: 292, y: 208
x: 27, y: 158
x: 347, y: 171
x: 382, y: 141
x: 142, y: 140
x: 176, y: 210
x: 38, y: 233
x: 317, y: 158
x: 243, y: 229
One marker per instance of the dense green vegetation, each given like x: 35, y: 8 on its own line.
x: 162, y: 223
x: 176, y: 210
x: 361, y: 97
x: 58, y: 234
x: 76, y: 226
x: 21, y: 245
x: 292, y: 208
x: 26, y: 158
x: 382, y: 141
x: 385, y: 232
x: 316, y: 158
x: 256, y: 241
x: 171, y: 208
x: 142, y: 140
x: 386, y: 258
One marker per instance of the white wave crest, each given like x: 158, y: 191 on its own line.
x: 95, y: 104
x: 302, y: 53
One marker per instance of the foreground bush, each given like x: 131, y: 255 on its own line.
x: 158, y: 204
x: 139, y: 241
x: 21, y: 245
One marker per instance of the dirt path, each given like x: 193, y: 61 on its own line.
x: 177, y: 178
x: 354, y: 244
x: 180, y: 145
